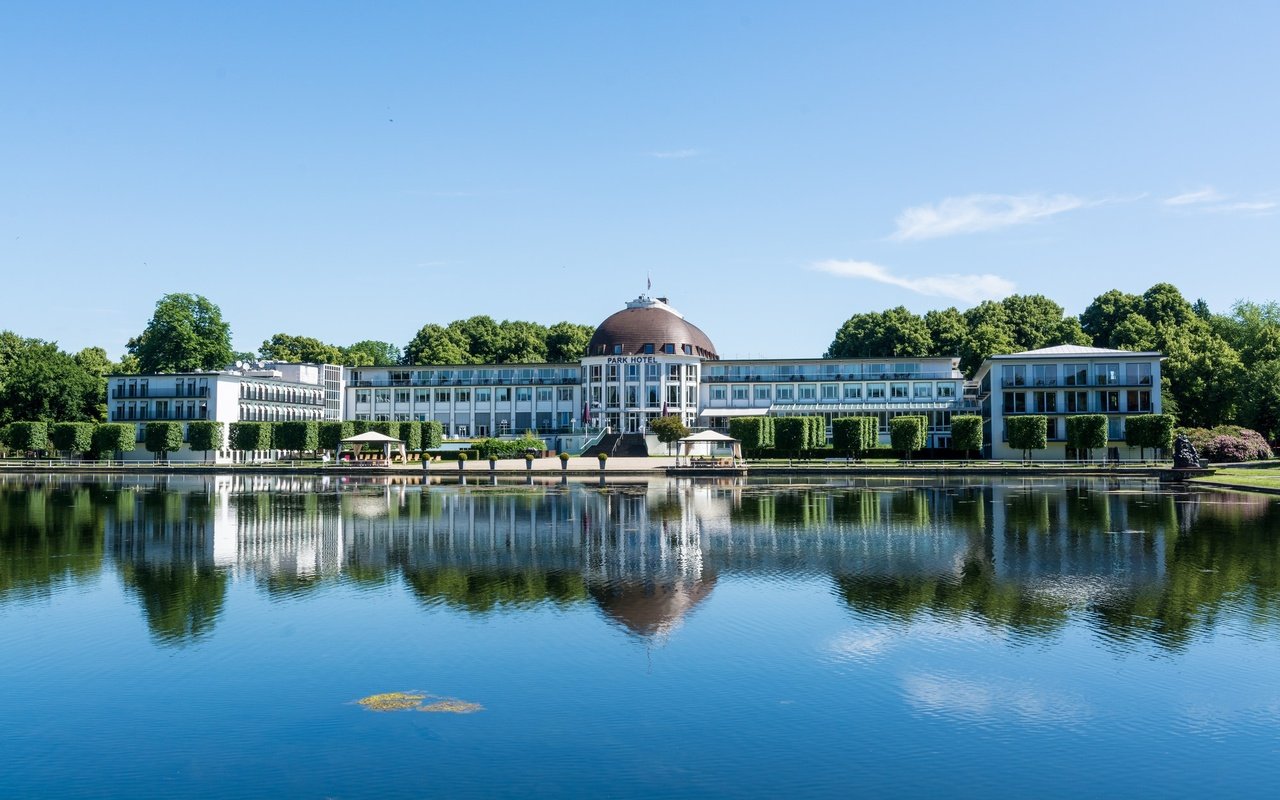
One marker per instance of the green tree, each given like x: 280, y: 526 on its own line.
x: 755, y: 433
x: 111, y: 438
x: 436, y: 344
x: 1205, y: 375
x: 331, y: 434
x: 669, y: 430
x: 893, y: 333
x: 96, y: 362
x: 791, y: 435
x: 484, y: 338
x: 908, y: 434
x: 162, y: 438
x: 1252, y: 329
x: 1027, y: 433
x: 186, y: 333
x: 1163, y: 305
x: 293, y: 349
x: 204, y: 435
x: 371, y: 353
x: 411, y: 435
x: 1135, y: 332
x: 1103, y: 316
x: 1086, y: 433
x: 966, y: 433
x: 43, y: 383
x: 567, y: 341
x: 298, y: 435
x: 27, y: 435
x: 252, y: 436
x: 986, y: 339
x: 72, y: 437
x: 854, y: 436
x: 947, y: 332
x: 1035, y: 321
x: 522, y: 343
x: 1260, y: 406
x: 1148, y: 430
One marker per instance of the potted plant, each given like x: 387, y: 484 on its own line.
x: 528, y: 460
x: 462, y: 460
x: 603, y: 458
x: 564, y: 461
x: 493, y: 462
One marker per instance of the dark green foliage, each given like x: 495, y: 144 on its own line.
x: 185, y: 333
x: 248, y: 436
x: 391, y: 429
x: 1087, y: 432
x: 1027, y: 433
x: 162, y: 438
x: 40, y: 382
x: 817, y: 434
x: 113, y: 437
x: 481, y: 340
x: 27, y: 435
x: 895, y: 332
x: 749, y: 431
x: 411, y: 435
x: 567, y: 341
x: 792, y: 435
x: 298, y: 435
x: 283, y: 347
x: 509, y: 448
x: 669, y: 429
x: 71, y: 437
x: 1153, y: 431
x: 432, y: 434
x: 371, y: 353
x: 204, y: 435
x: 966, y: 433
x: 854, y: 436
x: 331, y: 434
x: 908, y: 433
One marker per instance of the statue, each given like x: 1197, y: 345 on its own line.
x: 1184, y: 453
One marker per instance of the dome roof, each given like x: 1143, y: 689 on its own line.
x: 651, y: 608
x: 649, y: 321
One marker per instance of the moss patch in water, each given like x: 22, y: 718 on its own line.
x: 417, y: 701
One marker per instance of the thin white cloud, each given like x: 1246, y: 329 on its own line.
x: 1206, y: 195
x: 1257, y: 207
x: 987, y: 698
x: 966, y: 288
x: 980, y: 212
x: 687, y: 152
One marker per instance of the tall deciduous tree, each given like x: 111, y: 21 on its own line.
x: 567, y: 341
x: 285, y: 347
x: 437, y: 344
x: 371, y: 353
x: 186, y: 333
x: 1101, y: 318
x: 893, y: 333
x: 43, y: 383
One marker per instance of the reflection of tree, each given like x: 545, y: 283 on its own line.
x: 483, y: 591
x: 48, y: 536
x: 182, y: 601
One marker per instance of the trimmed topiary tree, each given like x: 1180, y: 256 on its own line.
x: 27, y: 435
x: 1027, y: 433
x: 411, y: 435
x: 432, y: 434
x: 669, y: 430
x: 817, y: 433
x: 966, y: 433
x: 908, y: 434
x: 1149, y: 430
x: 331, y: 434
x: 204, y: 435
x: 391, y: 429
x: 298, y: 435
x: 792, y: 435
x: 251, y: 436
x: 72, y: 437
x: 162, y: 438
x: 854, y: 435
x: 752, y: 432
x: 1087, y: 432
x: 113, y: 438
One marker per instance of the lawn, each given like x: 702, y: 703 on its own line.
x: 1262, y: 477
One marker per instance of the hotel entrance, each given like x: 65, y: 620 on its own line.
x: 633, y: 422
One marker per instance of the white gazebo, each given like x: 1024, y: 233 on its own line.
x: 373, y: 437
x: 710, y: 444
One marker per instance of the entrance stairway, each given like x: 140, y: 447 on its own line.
x: 605, y: 445
x: 618, y: 445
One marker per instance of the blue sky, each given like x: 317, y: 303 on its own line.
x: 354, y: 171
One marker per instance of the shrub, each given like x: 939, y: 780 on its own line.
x: 252, y: 435
x: 1229, y: 443
x: 854, y: 435
x: 204, y: 435
x: 72, y: 437
x: 1027, y: 433
x: 1087, y: 432
x: 1149, y: 430
x: 669, y: 429
x: 509, y: 448
x: 27, y: 435
x: 755, y: 433
x: 331, y: 434
x: 966, y: 433
x: 432, y: 434
x: 791, y: 433
x: 411, y: 435
x: 908, y: 434
x: 300, y: 435
x: 113, y: 437
x: 162, y: 438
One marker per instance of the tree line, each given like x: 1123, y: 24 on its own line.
x: 1220, y: 368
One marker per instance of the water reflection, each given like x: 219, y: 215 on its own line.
x: 1131, y: 559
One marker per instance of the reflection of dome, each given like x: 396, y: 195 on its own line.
x: 651, y: 608
x: 649, y: 321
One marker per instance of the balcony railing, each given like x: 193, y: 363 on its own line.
x: 123, y: 394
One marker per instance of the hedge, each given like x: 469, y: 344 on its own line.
x: 1087, y: 432
x: 908, y: 433
x: 966, y: 433
x: 1149, y: 430
x: 755, y: 433
x: 432, y: 434
x: 113, y: 437
x: 411, y: 435
x: 508, y: 448
x: 299, y: 435
x: 162, y: 438
x: 72, y: 437
x: 1027, y: 433
x: 854, y: 435
x: 252, y: 435
x: 331, y: 434
x: 27, y: 435
x: 204, y: 435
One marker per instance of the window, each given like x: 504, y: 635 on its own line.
x: 402, y: 395
x: 617, y: 349
x: 651, y: 372
x: 875, y: 391
x: 669, y: 348
x: 1044, y: 374
x: 633, y: 372
x: 946, y: 390
x: 673, y: 395
x: 853, y: 391
x: 565, y: 394
x: 739, y: 392
x: 1138, y: 400
x: 1075, y: 375
x: 363, y: 395
x: 1107, y: 374
x: 922, y: 391
x: 382, y: 395
x: 544, y: 395
x: 898, y: 391
x: 830, y: 392
x: 687, y: 349
x: 613, y: 396
x: 611, y: 372
x: 462, y: 396
x: 595, y: 372
x: 673, y: 372
x: 1015, y: 402
x: 808, y: 391
x: 421, y: 396
x: 1076, y: 402
x: 483, y: 395
x: 691, y: 395
x: 502, y: 394
x: 633, y: 396
x: 1108, y: 401
x: 785, y: 392
x: 762, y: 393
x: 651, y: 395
x: 647, y: 349
x: 1046, y: 402
x: 1137, y: 374
x: 1051, y: 428
x: 718, y: 393
x: 1013, y: 375
x: 690, y: 372
x: 442, y: 395
x: 523, y: 394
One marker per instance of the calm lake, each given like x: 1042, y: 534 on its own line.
x: 211, y: 636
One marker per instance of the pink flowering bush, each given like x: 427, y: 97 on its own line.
x: 1229, y: 443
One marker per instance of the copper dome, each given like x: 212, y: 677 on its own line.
x: 649, y: 322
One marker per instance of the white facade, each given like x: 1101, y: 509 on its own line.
x: 1057, y: 382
